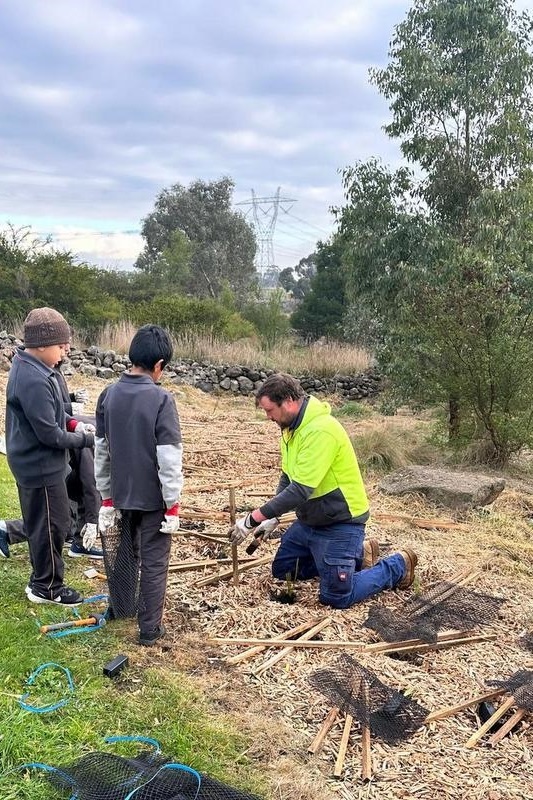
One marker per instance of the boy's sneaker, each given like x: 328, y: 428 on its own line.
x: 4, y: 547
x: 79, y: 551
x: 148, y: 638
x: 65, y: 596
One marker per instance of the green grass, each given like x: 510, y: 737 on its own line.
x: 352, y: 409
x: 151, y: 701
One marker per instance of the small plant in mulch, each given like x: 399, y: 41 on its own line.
x: 284, y: 594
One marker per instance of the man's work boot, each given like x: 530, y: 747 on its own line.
x: 370, y: 553
x: 411, y: 560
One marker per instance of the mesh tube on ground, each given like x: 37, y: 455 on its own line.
x: 356, y: 690
x: 122, y: 567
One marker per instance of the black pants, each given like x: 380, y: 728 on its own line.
x: 46, y: 516
x: 154, y: 553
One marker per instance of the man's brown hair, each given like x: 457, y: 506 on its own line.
x: 279, y: 387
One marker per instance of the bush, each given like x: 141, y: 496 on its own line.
x: 183, y: 315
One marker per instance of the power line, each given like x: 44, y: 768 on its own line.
x: 309, y: 224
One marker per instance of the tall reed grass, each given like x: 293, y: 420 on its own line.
x: 317, y: 359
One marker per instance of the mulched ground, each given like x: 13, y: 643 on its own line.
x: 226, y: 442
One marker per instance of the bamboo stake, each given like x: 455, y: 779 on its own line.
x: 359, y: 646
x: 339, y: 763
x: 490, y: 722
x: 365, y: 741
x: 420, y: 522
x: 440, y: 645
x: 449, y: 711
x: 227, y: 573
x: 286, y: 650
x: 327, y: 725
x: 508, y: 726
x: 286, y: 642
x: 185, y: 566
x: 253, y: 651
x: 232, y: 520
x: 441, y: 637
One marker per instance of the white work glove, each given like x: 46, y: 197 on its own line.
x: 267, y: 529
x: 171, y: 523
x: 107, y: 517
x: 242, y: 528
x: 81, y: 396
x: 84, y: 427
x: 89, y: 532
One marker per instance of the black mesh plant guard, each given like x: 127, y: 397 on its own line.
x: 520, y: 685
x: 105, y: 776
x: 356, y: 690
x: 122, y: 568
x: 526, y: 642
x: 445, y: 606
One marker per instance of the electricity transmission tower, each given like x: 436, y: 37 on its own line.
x: 265, y: 214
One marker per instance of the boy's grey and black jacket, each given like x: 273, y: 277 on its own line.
x: 138, y: 466
x: 37, y: 440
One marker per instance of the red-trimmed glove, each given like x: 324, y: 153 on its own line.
x: 171, y: 523
x: 108, y: 515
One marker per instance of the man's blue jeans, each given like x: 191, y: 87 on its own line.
x: 334, y: 553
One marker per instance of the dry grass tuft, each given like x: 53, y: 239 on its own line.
x: 317, y: 359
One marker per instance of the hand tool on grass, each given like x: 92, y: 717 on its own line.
x: 93, y: 573
x: 95, y: 619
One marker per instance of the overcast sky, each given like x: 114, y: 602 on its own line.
x: 106, y: 102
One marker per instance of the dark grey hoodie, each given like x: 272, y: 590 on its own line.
x: 37, y: 440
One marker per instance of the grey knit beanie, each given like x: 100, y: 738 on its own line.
x: 44, y: 327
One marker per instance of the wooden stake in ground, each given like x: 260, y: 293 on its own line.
x: 232, y: 519
x: 339, y: 763
x: 325, y: 728
x: 365, y: 740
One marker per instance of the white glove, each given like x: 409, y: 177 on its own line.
x: 107, y: 516
x: 267, y: 529
x: 242, y: 528
x: 89, y: 533
x: 81, y: 396
x: 84, y: 427
x: 171, y: 524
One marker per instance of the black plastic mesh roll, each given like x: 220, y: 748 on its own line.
x: 444, y: 607
x: 104, y: 776
x: 356, y: 690
x: 520, y: 685
x: 122, y: 567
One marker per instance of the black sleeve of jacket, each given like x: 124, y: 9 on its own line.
x: 293, y: 496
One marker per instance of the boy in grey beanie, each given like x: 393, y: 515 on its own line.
x: 38, y: 437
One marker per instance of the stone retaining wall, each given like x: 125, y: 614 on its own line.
x: 222, y: 378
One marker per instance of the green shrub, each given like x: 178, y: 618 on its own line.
x: 352, y: 409
x: 185, y: 315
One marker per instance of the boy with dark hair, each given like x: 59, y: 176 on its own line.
x: 38, y: 437
x: 138, y: 467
